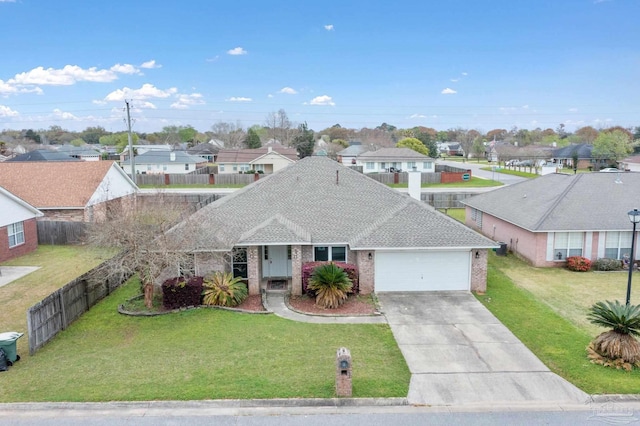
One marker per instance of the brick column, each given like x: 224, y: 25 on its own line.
x: 479, y: 270
x: 366, y: 270
x: 296, y: 270
x: 253, y: 269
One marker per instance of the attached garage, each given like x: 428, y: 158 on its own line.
x: 422, y: 270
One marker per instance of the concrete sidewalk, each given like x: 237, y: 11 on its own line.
x: 459, y: 354
x: 12, y: 273
x: 276, y: 303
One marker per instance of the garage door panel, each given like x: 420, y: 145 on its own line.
x: 422, y: 270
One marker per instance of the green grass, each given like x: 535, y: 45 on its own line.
x: 511, y: 172
x: 203, y: 354
x: 457, y: 214
x: 474, y: 182
x: 557, y: 341
x: 58, y: 265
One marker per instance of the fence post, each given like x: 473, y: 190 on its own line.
x: 167, y: 179
x: 396, y: 177
x: 212, y: 179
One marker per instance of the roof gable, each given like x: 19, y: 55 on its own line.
x: 54, y: 184
x: 250, y: 155
x: 564, y: 202
x: 318, y: 201
x: 15, y: 209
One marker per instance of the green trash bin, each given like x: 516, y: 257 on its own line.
x: 8, y: 344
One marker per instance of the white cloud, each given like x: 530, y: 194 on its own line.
x: 328, y: 27
x: 239, y: 99
x: 5, y: 111
x: 448, y: 91
x: 322, y: 100
x: 525, y: 106
x: 214, y: 59
x: 66, y: 76
x: 417, y: 116
x: 57, y: 113
x: 145, y: 92
x: 288, y: 91
x: 185, y: 101
x: 150, y: 64
x: 573, y: 109
x: 465, y: 74
x: 455, y: 80
x: 237, y: 51
x: 125, y: 69
x: 269, y: 95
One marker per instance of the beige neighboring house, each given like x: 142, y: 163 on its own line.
x: 395, y: 160
x: 83, y: 191
x: 267, y: 159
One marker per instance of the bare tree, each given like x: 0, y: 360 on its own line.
x: 232, y: 134
x: 141, y: 235
x: 280, y: 128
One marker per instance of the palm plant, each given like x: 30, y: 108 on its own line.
x: 618, y: 346
x: 223, y: 289
x: 331, y: 284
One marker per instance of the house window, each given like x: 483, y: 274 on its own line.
x: 244, y: 167
x: 333, y: 253
x: 164, y: 167
x: 149, y: 167
x: 427, y: 165
x: 187, y: 266
x: 476, y: 216
x: 258, y: 167
x: 370, y: 165
x: 186, y: 166
x: 617, y: 244
x: 383, y: 166
x: 567, y: 244
x: 411, y: 165
x: 239, y: 262
x: 222, y: 167
x: 16, y: 234
x: 235, y: 167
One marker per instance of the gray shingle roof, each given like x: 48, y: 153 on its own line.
x: 319, y: 201
x: 352, y: 150
x: 393, y: 154
x: 563, y: 202
x: 164, y: 157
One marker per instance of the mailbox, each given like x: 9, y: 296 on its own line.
x: 343, y: 372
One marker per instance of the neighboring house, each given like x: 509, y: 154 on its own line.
x: 318, y: 210
x: 164, y: 162
x: 206, y: 150
x: 565, y: 156
x: 630, y: 164
x: 83, y: 191
x: 18, y: 230
x: 450, y: 149
x: 395, y: 159
x: 84, y: 153
x: 546, y: 219
x: 267, y: 159
x: 348, y: 155
x: 42, y: 155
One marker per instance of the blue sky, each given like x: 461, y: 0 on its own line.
x: 471, y: 64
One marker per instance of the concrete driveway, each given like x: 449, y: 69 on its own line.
x: 459, y: 354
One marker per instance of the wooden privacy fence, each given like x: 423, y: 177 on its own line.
x: 196, y: 179
x: 60, y: 233
x: 403, y: 177
x: 56, y: 311
x: 445, y: 200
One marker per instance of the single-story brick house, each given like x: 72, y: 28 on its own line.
x: 315, y: 210
x: 82, y: 191
x: 395, y: 159
x: 267, y: 159
x: 18, y: 231
x: 546, y: 219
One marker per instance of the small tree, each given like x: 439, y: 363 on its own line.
x: 414, y: 144
x: 141, y: 235
x: 304, y: 141
x: 252, y: 140
x: 618, y: 346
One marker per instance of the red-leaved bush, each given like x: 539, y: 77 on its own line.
x: 578, y: 263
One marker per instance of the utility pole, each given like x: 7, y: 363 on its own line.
x: 130, y: 138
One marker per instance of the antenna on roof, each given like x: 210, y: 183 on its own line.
x: 337, y: 177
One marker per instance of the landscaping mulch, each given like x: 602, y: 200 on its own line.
x: 354, y: 305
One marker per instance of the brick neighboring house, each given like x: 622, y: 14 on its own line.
x: 267, y: 159
x: 546, y: 219
x: 83, y: 191
x: 316, y: 209
x: 18, y: 231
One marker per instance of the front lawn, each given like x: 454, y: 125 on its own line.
x: 513, y: 172
x: 203, y: 354
x: 545, y: 309
x: 474, y: 182
x: 58, y: 265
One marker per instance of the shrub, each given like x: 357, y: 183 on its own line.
x: 223, y: 289
x: 350, y: 269
x: 180, y: 293
x: 616, y: 347
x: 605, y: 264
x: 578, y: 264
x: 331, y: 285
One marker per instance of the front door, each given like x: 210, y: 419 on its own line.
x: 276, y: 261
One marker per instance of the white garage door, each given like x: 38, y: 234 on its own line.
x: 422, y: 270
